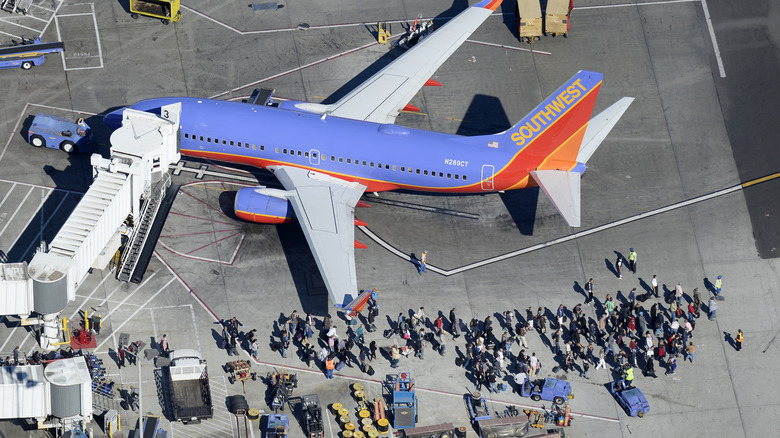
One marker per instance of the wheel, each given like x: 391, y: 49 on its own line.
x: 558, y: 400
x: 566, y: 35
x: 536, y: 397
x: 26, y: 65
x: 37, y: 141
x: 166, y: 21
x: 231, y: 379
x: 134, y: 16
x: 254, y: 376
x: 225, y: 368
x: 67, y: 146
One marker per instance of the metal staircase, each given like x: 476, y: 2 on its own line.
x: 135, y: 245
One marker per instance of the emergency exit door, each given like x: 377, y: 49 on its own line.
x: 487, y: 176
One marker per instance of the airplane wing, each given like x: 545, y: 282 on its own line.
x: 381, y: 98
x: 325, y: 208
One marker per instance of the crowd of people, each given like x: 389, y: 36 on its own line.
x: 650, y: 331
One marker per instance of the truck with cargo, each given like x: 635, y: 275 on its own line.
x: 188, y: 388
x: 557, y: 17
x: 27, y: 54
x: 529, y: 20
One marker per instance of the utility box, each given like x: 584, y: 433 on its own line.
x: 529, y: 20
x: 557, y: 17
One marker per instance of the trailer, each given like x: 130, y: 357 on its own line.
x: 557, y: 17
x: 60, y: 133
x: 27, y: 54
x: 312, y: 416
x: 510, y: 425
x: 529, y: 20
x: 188, y: 387
x: 166, y: 11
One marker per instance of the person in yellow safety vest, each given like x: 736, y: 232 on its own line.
x: 330, y: 364
x: 632, y: 260
x: 718, y: 285
x: 740, y: 337
x: 628, y: 377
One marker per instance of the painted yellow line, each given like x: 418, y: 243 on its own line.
x: 457, y: 120
x: 415, y: 112
x: 760, y: 180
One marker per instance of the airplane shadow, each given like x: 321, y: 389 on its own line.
x: 303, y: 268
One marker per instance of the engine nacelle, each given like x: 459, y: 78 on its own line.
x: 263, y: 206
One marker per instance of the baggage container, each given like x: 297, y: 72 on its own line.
x: 529, y: 20
x: 557, y: 17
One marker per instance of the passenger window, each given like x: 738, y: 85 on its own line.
x: 284, y: 151
x: 216, y: 141
x: 364, y: 163
x: 246, y: 145
x: 410, y: 170
x: 292, y: 152
x: 378, y: 165
x: 231, y: 143
x: 425, y: 172
x: 403, y: 169
x: 332, y: 158
x: 395, y: 167
x: 341, y: 160
x: 224, y: 141
x: 306, y: 154
x: 254, y: 146
x: 371, y: 164
x: 277, y: 150
x: 186, y: 135
x: 299, y: 153
x: 262, y: 148
x: 387, y: 166
x: 417, y: 171
x: 449, y: 175
x: 464, y: 177
x: 201, y: 138
x: 349, y: 161
x: 457, y: 176
x: 239, y: 144
x: 441, y: 174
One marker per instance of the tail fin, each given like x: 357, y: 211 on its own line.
x: 558, y: 137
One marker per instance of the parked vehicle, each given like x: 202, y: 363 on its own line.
x: 630, y: 398
x: 554, y: 390
x: 58, y: 132
x: 188, y: 387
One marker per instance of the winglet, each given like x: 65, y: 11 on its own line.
x: 488, y: 4
x: 563, y: 189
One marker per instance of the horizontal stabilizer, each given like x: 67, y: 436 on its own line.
x: 599, y: 127
x: 563, y: 189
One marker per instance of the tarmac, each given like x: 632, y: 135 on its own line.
x: 668, y: 181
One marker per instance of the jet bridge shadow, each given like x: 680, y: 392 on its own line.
x: 70, y: 184
x: 457, y: 7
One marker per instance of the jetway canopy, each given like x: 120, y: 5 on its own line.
x: 23, y: 392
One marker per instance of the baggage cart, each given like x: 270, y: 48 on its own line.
x: 529, y: 20
x: 166, y: 10
x: 557, y: 17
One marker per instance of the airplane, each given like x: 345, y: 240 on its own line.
x: 327, y: 155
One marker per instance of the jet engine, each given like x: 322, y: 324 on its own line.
x: 264, y: 206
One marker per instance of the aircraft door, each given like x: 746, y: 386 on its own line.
x: 314, y: 157
x: 487, y: 176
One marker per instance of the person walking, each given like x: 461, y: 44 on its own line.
x: 521, y: 337
x: 650, y: 368
x: 330, y: 365
x: 395, y: 356
x: 589, y: 290
x: 654, y: 284
x: 618, y: 265
x: 602, y: 362
x: 678, y: 293
x: 713, y: 307
x: 718, y: 285
x: 740, y: 338
x: 164, y: 345
x: 134, y: 394
x: 422, y: 262
x: 454, y: 329
x: 508, y: 318
x: 690, y: 352
x: 121, y: 353
x: 632, y: 260
x: 253, y: 348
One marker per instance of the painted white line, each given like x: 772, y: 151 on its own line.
x: 54, y: 14
x: 116, y: 330
x: 10, y: 35
x: 18, y: 25
x: 623, y: 5
x: 41, y: 7
x: 105, y: 318
x: 10, y: 219
x: 206, y: 259
x: 80, y: 14
x: 8, y: 194
x: 539, y: 246
x: 519, y: 49
x: 38, y: 237
x: 39, y: 212
x: 97, y: 35
x: 714, y: 40
x: 106, y: 301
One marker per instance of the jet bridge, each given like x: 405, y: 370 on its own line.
x: 129, y: 184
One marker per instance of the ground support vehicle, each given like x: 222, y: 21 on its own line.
x: 278, y: 425
x: 312, y: 416
x: 239, y: 370
x: 188, y: 387
x: 27, y: 54
x: 554, y: 390
x: 282, y: 386
x: 166, y: 10
x: 59, y: 132
x: 630, y: 398
x: 404, y: 401
x: 489, y: 427
x: 557, y: 17
x: 529, y: 20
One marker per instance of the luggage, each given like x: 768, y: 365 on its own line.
x: 388, y: 333
x: 340, y: 366
x: 556, y: 369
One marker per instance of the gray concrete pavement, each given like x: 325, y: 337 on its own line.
x: 672, y: 145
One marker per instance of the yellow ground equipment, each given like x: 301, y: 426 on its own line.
x: 166, y: 10
x: 529, y: 20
